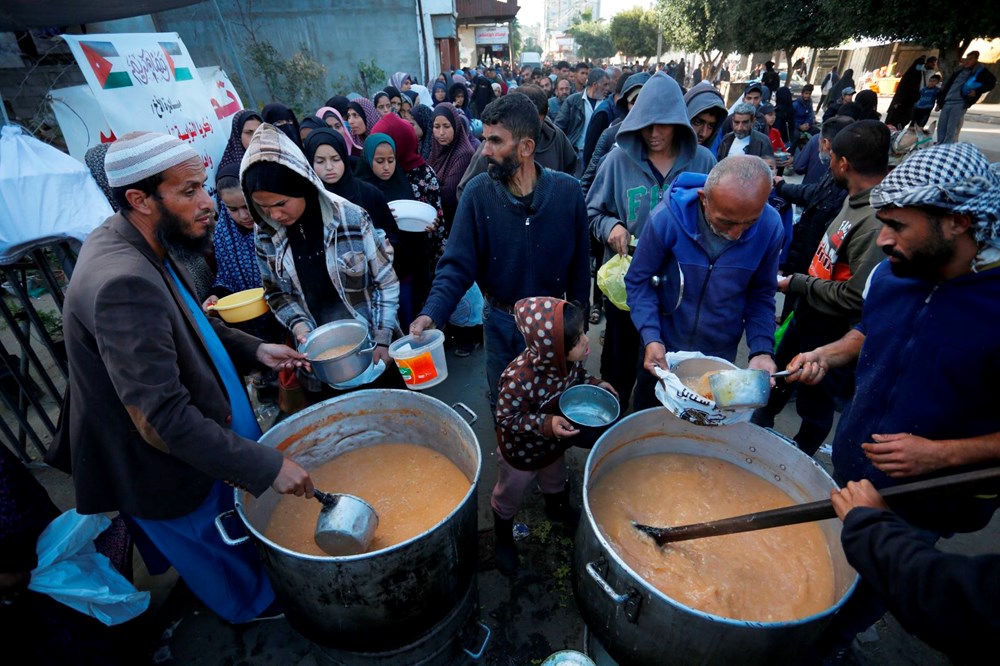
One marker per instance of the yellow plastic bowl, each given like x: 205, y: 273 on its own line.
x: 241, y: 306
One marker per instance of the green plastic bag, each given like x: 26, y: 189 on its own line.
x: 779, y: 335
x: 611, y: 280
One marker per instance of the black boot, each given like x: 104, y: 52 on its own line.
x: 505, y: 550
x: 558, y: 508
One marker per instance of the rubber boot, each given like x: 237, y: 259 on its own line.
x: 505, y: 549
x: 558, y: 508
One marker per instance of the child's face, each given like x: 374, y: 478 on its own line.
x: 580, y: 351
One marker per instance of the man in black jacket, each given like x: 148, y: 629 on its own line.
x: 520, y: 230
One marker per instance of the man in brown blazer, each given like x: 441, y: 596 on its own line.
x: 155, y: 417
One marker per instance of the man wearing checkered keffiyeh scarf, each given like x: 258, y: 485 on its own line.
x: 953, y: 177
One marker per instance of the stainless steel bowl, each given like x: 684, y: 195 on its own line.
x: 344, y: 367
x: 591, y: 409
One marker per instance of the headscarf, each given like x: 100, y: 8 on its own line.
x: 459, y: 78
x: 450, y: 162
x: 392, y: 91
x: 398, y: 79
x: 234, y: 147
x: 397, y: 187
x: 353, y: 146
x: 868, y: 101
x: 404, y: 141
x: 364, y: 108
x: 274, y: 112
x: 423, y: 95
x: 311, y: 123
x: 424, y: 116
x: 837, y: 91
x: 412, y: 96
x: 482, y: 94
x: 379, y: 95
x: 95, y: 162
x: 955, y: 177
x: 439, y: 86
x: 338, y: 102
x: 235, y: 256
x: 347, y: 186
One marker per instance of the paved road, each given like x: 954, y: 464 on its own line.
x: 985, y: 136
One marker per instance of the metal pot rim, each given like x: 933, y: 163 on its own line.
x: 609, y: 552
x: 340, y: 323
x: 473, y: 484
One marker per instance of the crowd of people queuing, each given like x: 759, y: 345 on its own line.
x: 537, y: 178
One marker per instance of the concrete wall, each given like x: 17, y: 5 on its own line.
x: 337, y: 37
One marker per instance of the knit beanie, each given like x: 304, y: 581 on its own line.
x: 139, y: 155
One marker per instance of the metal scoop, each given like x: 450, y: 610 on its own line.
x: 346, y: 524
x: 742, y: 389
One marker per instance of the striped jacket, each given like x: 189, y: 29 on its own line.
x: 358, y: 257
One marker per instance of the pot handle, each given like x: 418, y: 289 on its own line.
x: 372, y: 348
x: 468, y: 410
x: 475, y: 656
x: 604, y: 585
x: 226, y: 539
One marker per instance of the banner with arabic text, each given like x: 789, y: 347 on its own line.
x: 149, y: 82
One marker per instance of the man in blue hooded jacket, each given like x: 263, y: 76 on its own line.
x: 720, y: 235
x: 655, y: 143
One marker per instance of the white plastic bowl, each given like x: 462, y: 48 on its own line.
x: 413, y: 215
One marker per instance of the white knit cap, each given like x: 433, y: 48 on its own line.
x: 138, y: 155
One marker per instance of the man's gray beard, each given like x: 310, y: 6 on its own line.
x: 740, y: 134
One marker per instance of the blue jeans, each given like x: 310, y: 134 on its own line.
x: 503, y: 343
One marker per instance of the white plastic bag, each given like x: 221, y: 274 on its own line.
x: 45, y: 196
x: 71, y: 571
x: 689, y: 405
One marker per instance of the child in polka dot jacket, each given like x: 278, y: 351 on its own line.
x: 531, y: 433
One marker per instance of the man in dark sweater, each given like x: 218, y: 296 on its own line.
x: 520, y: 231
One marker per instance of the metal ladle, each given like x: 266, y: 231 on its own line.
x: 346, y: 524
x: 743, y: 389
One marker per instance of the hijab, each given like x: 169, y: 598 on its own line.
x: 379, y: 95
x: 424, y: 117
x: 837, y: 91
x: 398, y: 79
x: 397, y: 187
x: 868, y: 101
x: 276, y: 112
x: 423, y: 95
x: 364, y: 108
x: 338, y: 102
x: 235, y: 255
x: 311, y: 123
x: 482, y: 94
x: 347, y: 186
x: 411, y: 95
x: 234, y: 147
x: 450, y: 162
x: 392, y: 91
x: 404, y: 141
x: 95, y: 162
x: 439, y: 86
x: 353, y: 147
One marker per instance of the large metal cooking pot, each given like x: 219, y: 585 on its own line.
x: 638, y: 624
x: 379, y: 601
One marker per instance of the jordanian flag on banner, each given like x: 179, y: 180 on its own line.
x: 97, y: 55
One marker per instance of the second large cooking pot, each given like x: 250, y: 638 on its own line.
x: 638, y: 624
x: 379, y: 601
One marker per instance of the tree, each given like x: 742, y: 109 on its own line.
x: 814, y: 23
x: 593, y: 38
x: 702, y: 26
x: 634, y: 32
x: 950, y: 30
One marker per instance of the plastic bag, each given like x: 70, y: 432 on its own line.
x: 689, y: 405
x: 469, y: 311
x: 71, y: 571
x: 611, y: 280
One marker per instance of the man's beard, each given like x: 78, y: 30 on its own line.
x: 925, y: 262
x: 741, y: 134
x: 174, y: 238
x: 502, y: 171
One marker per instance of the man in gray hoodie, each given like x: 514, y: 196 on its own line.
x: 654, y: 144
x: 707, y: 111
